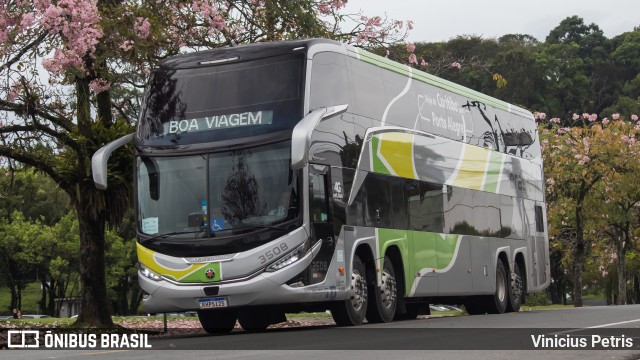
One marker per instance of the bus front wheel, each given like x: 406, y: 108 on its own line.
x: 252, y: 320
x: 217, y: 321
x: 352, y: 311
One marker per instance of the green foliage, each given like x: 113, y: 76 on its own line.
x: 575, y: 70
x: 23, y: 248
x: 33, y: 194
x: 628, y: 52
x: 537, y: 299
x: 30, y: 297
x: 624, y: 105
x: 35, y: 251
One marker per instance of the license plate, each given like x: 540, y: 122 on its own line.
x: 210, y: 303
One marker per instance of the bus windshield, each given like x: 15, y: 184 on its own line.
x: 219, y: 194
x: 212, y: 103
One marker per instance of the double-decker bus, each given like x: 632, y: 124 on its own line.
x: 312, y: 175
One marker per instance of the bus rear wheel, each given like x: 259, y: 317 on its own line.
x: 516, y: 289
x: 217, y: 321
x: 385, y: 296
x: 352, y: 311
x: 497, y: 303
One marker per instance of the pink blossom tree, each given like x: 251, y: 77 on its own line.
x: 585, y: 164
x: 73, y: 70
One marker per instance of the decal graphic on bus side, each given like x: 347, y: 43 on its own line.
x: 176, y: 269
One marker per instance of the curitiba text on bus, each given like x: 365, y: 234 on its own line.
x: 217, y: 122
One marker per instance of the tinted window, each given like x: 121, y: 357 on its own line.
x: 539, y: 221
x: 380, y: 202
x: 172, y: 195
x: 425, y: 206
x: 458, y: 212
x: 470, y: 212
x: 329, y: 81
x: 211, y: 103
x: 367, y: 90
x: 247, y: 190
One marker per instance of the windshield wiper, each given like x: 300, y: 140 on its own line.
x: 257, y: 226
x: 161, y: 236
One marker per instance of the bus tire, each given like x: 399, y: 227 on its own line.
x: 515, y: 290
x: 352, y: 311
x: 497, y: 303
x: 217, y: 321
x: 384, y: 296
x: 252, y: 320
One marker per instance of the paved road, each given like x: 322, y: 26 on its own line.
x: 502, y: 334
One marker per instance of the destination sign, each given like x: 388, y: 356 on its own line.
x: 217, y: 122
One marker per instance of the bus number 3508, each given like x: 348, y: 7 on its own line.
x: 273, y: 253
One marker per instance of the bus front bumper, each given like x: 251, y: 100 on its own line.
x: 264, y: 289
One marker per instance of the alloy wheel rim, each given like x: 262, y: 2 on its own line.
x: 359, y: 290
x: 388, y: 289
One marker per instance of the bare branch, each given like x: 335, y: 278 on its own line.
x: 38, y: 163
x: 24, y: 50
x: 62, y: 137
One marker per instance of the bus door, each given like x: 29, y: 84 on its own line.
x: 321, y: 221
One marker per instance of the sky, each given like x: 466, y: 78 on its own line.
x: 440, y: 20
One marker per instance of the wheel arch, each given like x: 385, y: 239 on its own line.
x: 395, y: 255
x: 366, y: 255
x: 502, y: 254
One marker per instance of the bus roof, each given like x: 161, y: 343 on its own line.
x: 424, y: 77
x: 240, y: 53
x: 253, y: 51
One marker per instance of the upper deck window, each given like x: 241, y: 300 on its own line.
x: 211, y: 103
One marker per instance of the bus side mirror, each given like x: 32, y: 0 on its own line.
x: 101, y: 157
x: 301, y: 137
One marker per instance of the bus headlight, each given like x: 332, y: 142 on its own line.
x: 289, y: 258
x: 148, y: 273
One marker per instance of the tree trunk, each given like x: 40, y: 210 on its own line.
x: 95, y: 307
x: 19, y: 297
x: 43, y: 297
x: 579, y: 255
x: 14, y: 296
x: 608, y: 292
x: 622, y: 278
x: 51, y: 306
x: 636, y: 289
x: 136, y: 298
x: 577, y: 285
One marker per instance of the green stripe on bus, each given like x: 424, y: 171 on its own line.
x: 425, y: 250
x: 200, y: 275
x: 493, y: 172
x: 399, y: 238
x: 446, y: 249
x: 433, y: 250
x: 419, y: 250
x: 378, y: 165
